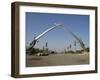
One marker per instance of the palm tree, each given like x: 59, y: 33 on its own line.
x: 70, y: 46
x: 75, y: 45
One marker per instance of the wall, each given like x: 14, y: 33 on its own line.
x: 5, y: 40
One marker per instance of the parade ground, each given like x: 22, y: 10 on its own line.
x: 57, y: 59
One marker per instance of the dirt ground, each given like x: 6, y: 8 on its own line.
x: 57, y: 59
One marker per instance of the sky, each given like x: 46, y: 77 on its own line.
x: 58, y: 39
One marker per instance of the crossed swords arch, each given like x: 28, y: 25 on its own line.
x: 32, y: 44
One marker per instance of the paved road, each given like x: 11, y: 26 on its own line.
x: 57, y: 59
